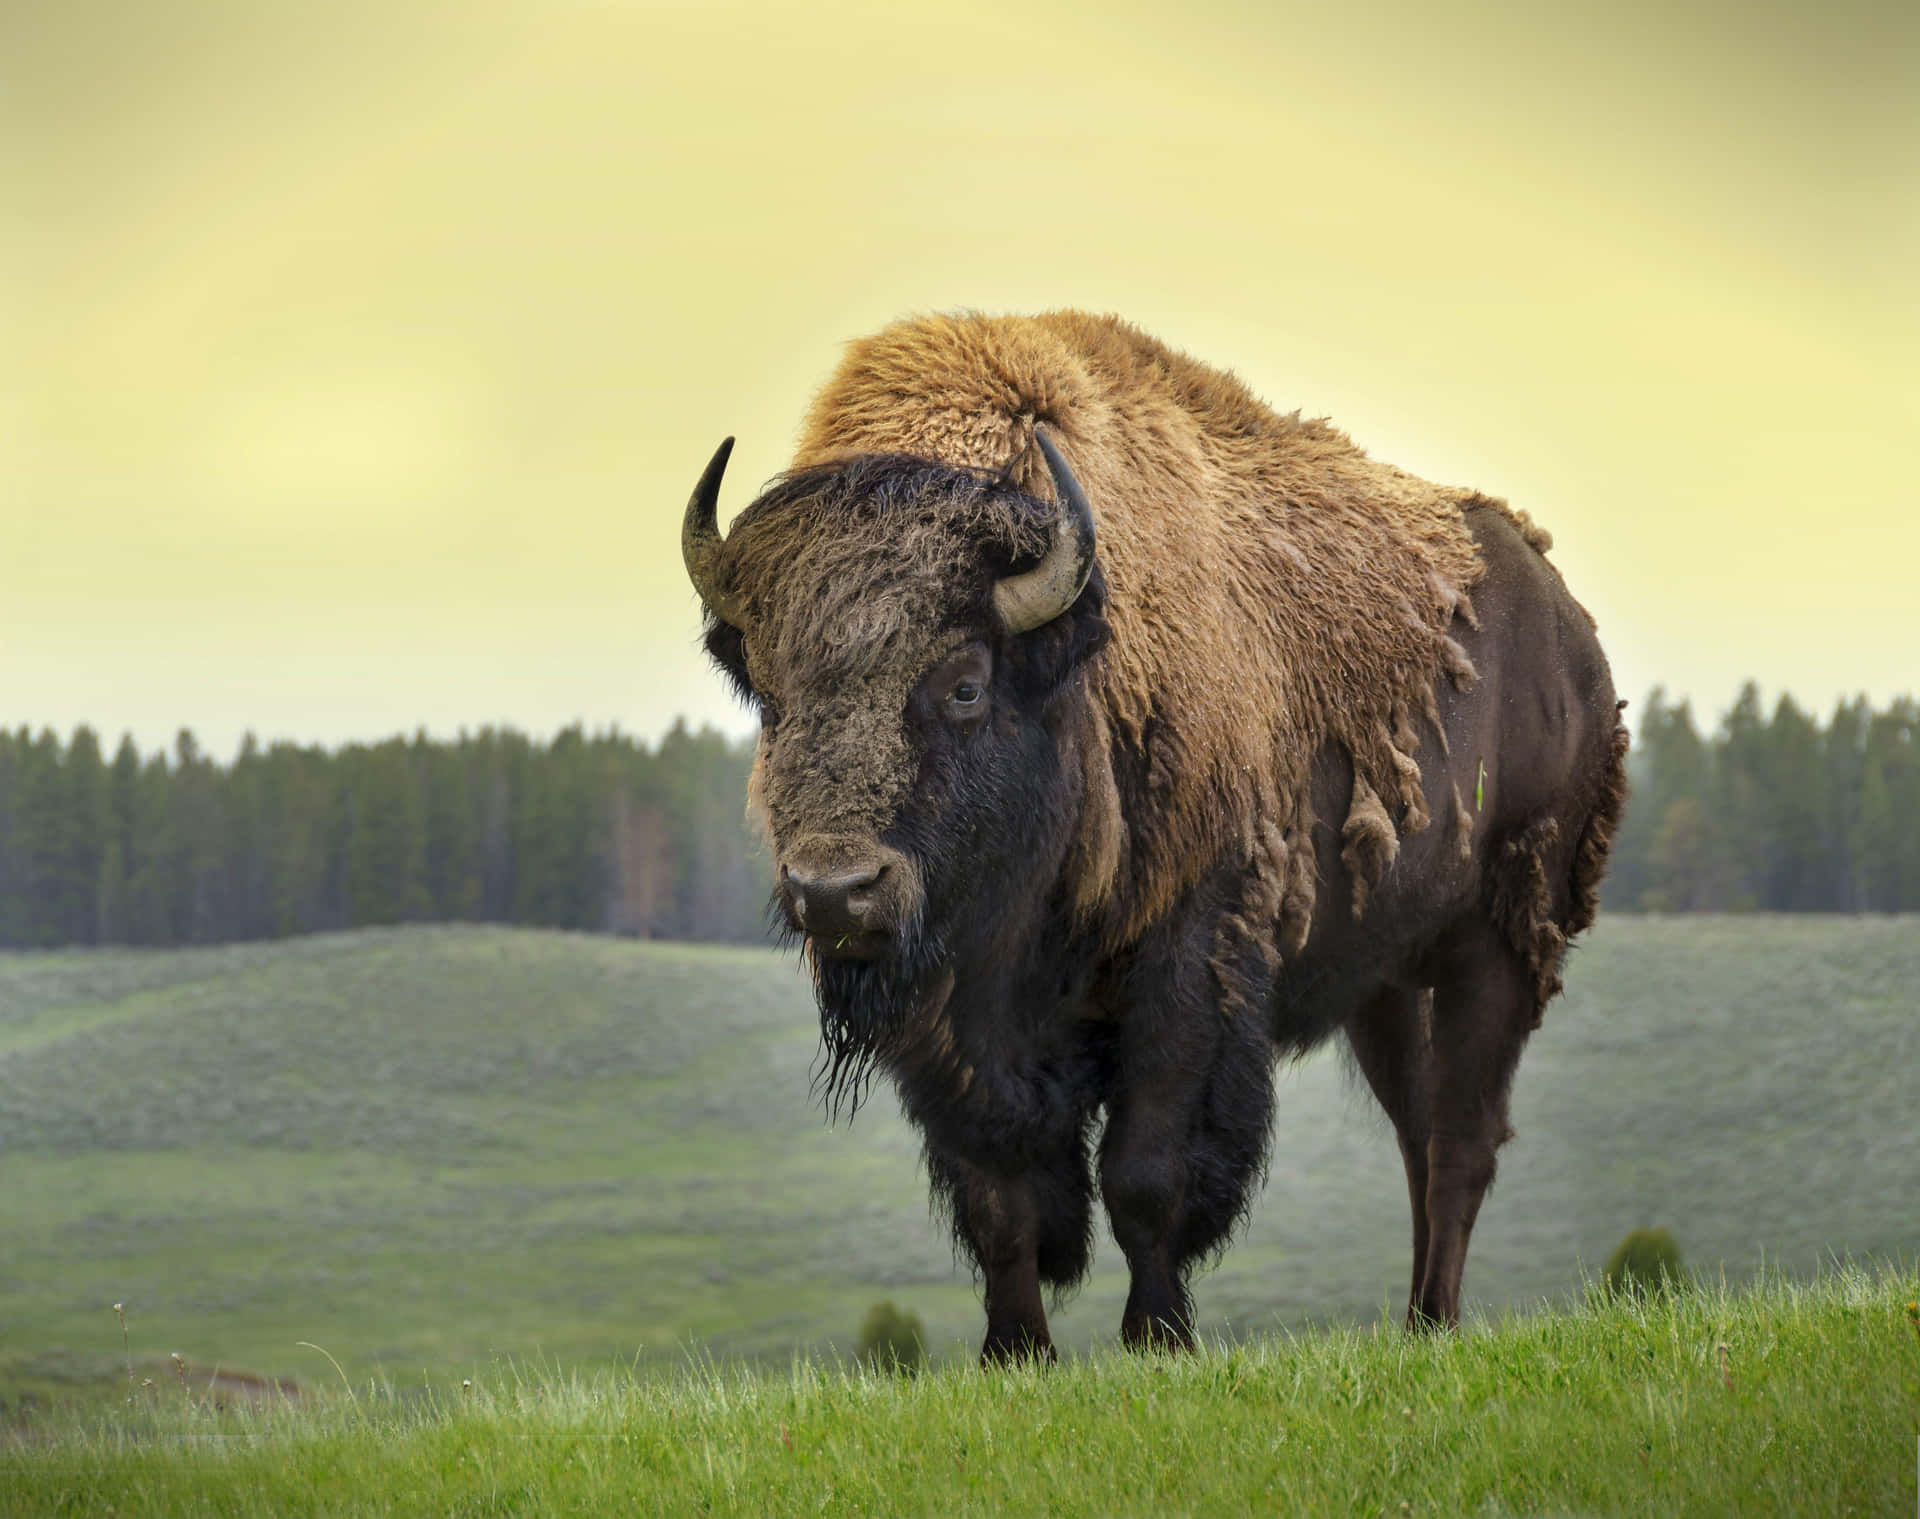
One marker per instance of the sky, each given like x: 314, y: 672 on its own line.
x: 356, y: 360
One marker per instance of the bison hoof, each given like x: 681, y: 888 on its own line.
x: 1016, y: 1350
x: 1155, y: 1334
x: 1423, y: 1321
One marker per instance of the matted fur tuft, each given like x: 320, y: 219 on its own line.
x: 1270, y: 588
x: 1522, y: 906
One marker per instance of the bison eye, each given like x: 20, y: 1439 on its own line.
x: 959, y: 689
x: 966, y: 702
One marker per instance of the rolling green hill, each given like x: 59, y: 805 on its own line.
x: 429, y: 1147
x: 1784, y: 1399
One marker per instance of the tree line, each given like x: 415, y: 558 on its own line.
x: 597, y: 832
x: 1771, y: 811
x: 602, y: 833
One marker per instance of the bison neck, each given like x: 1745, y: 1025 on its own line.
x: 1014, y: 1046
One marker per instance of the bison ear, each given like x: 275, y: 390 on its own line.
x: 1037, y: 596
x: 727, y: 648
x: 1042, y: 662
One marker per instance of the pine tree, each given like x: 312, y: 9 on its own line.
x: 112, y: 899
x: 1797, y: 877
x: 202, y: 908
x: 1743, y: 801
x: 41, y: 847
x: 1843, y: 754
x: 300, y: 804
x: 1681, y: 875
x: 1669, y: 763
x: 501, y: 759
x: 85, y: 828
x: 13, y: 873
x: 245, y: 869
x: 640, y: 866
x: 558, y: 862
x: 1887, y: 842
x: 386, y: 847
x: 123, y: 791
x: 453, y: 881
x: 151, y: 882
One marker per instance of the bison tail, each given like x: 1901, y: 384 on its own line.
x: 1596, y: 838
x: 1525, y: 905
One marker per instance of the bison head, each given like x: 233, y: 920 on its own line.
x: 909, y: 632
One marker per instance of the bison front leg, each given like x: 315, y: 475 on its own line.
x: 1003, y: 1223
x: 1143, y: 1179
x: 1186, y: 1130
x: 1026, y: 1220
x: 1001, y: 1220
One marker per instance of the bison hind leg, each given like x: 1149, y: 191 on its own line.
x: 1486, y: 1002
x: 1391, y: 1039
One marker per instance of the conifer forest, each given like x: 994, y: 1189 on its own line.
x: 591, y: 832
x: 1768, y: 811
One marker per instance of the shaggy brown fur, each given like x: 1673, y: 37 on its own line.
x: 849, y: 595
x: 1060, y: 878
x: 1064, y: 883
x: 1269, y: 585
x: 1523, y: 906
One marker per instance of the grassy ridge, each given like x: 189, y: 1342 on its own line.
x: 1787, y: 1400
x: 426, y: 1148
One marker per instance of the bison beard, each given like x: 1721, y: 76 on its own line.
x: 1168, y: 708
x: 865, y: 1007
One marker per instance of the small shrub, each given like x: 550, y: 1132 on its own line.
x: 891, y: 1340
x: 1645, y: 1264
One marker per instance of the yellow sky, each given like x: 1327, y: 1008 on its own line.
x: 358, y: 358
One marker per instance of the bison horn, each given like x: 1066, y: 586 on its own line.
x: 1042, y: 593
x: 700, y: 542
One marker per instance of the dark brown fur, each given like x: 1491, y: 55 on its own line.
x: 1194, y: 832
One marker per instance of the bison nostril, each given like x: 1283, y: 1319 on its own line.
x: 829, y: 904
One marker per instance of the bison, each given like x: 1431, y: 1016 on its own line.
x: 1120, y: 736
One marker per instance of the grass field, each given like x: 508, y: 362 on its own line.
x: 1786, y: 1401
x: 431, y: 1150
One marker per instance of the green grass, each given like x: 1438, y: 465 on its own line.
x: 1788, y: 1400
x: 425, y: 1149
